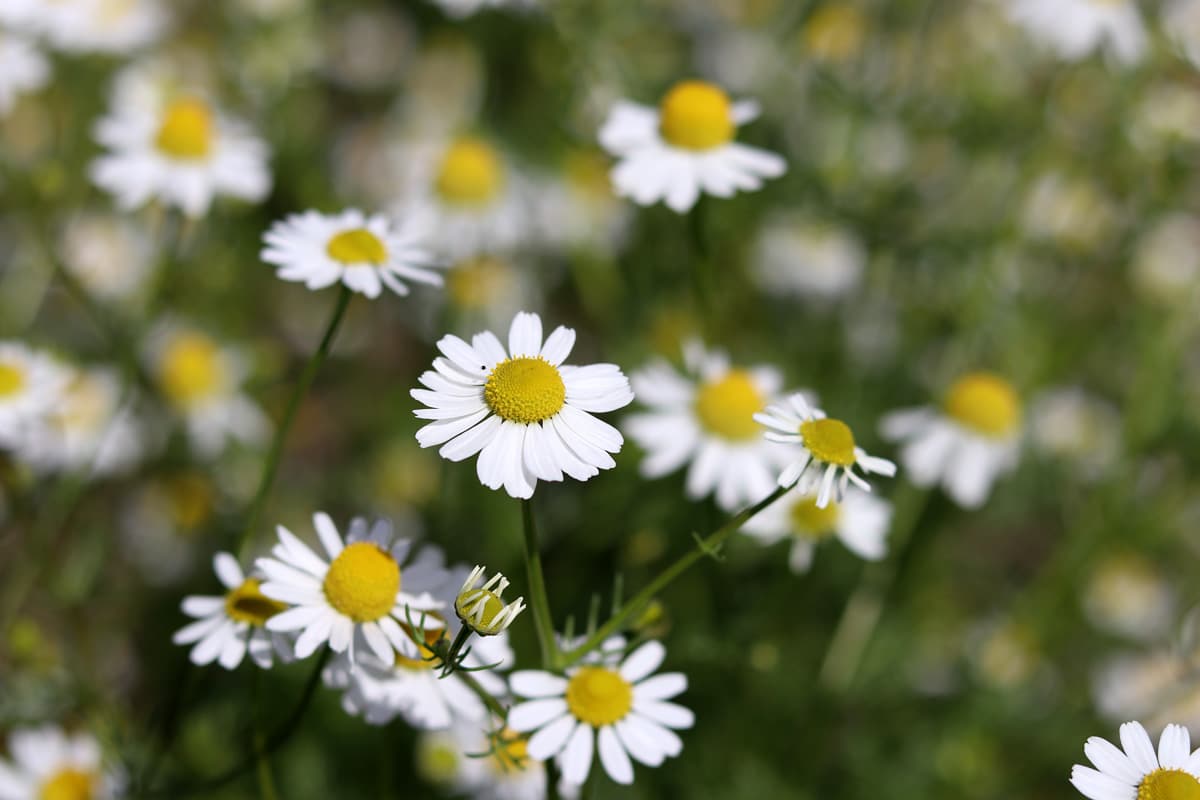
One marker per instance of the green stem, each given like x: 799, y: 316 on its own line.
x: 538, y: 600
x: 705, y: 547
x: 289, y: 415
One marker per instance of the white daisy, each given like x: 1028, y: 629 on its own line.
x: 827, y: 448
x: 1181, y: 21
x: 1136, y: 771
x: 685, y: 147
x: 528, y: 416
x: 492, y: 764
x: 364, y: 253
x: 859, y: 520
x: 577, y: 207
x: 1074, y: 28
x: 176, y: 147
x: 610, y: 704
x: 973, y: 439
x: 707, y: 418
x: 23, y: 70
x: 108, y: 254
x: 202, y: 381
x: 31, y: 384
x: 102, y: 26
x: 796, y: 256
x: 359, y: 596
x: 458, y: 9
x: 230, y: 625
x: 161, y: 523
x: 47, y: 763
x: 1126, y: 595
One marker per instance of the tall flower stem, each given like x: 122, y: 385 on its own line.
x: 542, y: 619
x: 271, y: 466
x: 707, y: 546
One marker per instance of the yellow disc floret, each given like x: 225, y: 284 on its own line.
x: 599, y: 696
x: 12, y: 379
x: 525, y: 390
x: 829, y: 440
x: 426, y: 659
x: 191, y: 368
x: 1169, y: 784
x: 835, y: 32
x: 362, y: 582
x: 696, y: 116
x: 477, y: 282
x: 356, y: 246
x: 985, y: 403
x: 470, y: 173
x: 69, y: 784
x: 186, y: 131
x: 248, y: 604
x: 812, y: 522
x: 726, y: 406
x: 510, y: 751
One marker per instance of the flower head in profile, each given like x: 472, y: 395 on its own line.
x: 528, y: 416
x: 47, y: 763
x: 1135, y: 771
x: 482, y: 608
x: 230, y: 625
x: 827, y: 449
x: 364, y: 253
x: 859, y: 520
x: 685, y: 147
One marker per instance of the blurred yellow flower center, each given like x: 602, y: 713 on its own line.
x: 599, y: 696
x: 587, y: 173
x: 187, y: 130
x: 191, y: 368
x: 477, y: 282
x: 470, y: 173
x: 84, y: 403
x: 362, y: 582
x: 525, y: 389
x: 812, y: 522
x: 829, y: 440
x: 985, y: 403
x: 726, y: 406
x: 426, y: 659
x: 191, y: 500
x: 509, y: 751
x: 1168, y: 784
x: 12, y: 379
x: 835, y: 32
x: 696, y: 116
x: 356, y: 246
x: 68, y: 784
x: 248, y: 604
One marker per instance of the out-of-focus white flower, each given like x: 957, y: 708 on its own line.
x: 47, y: 763
x: 109, y: 255
x: 90, y: 26
x: 1070, y: 211
x: 860, y: 521
x: 369, y: 47
x: 31, y: 385
x: 1126, y: 595
x: 1167, y: 114
x: 834, y: 33
x: 796, y: 256
x: 1181, y: 21
x: 485, y: 765
x: 1073, y: 29
x: 578, y: 209
x: 443, y: 86
x: 1166, y: 262
x: 1157, y: 686
x: 490, y: 291
x: 1003, y: 653
x: 459, y: 9
x: 23, y: 70
x: 1072, y: 424
x: 161, y: 524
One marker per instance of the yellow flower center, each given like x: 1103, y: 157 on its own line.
x: 985, y: 403
x: 357, y: 246
x: 468, y: 603
x: 475, y: 283
x: 191, y: 499
x: 829, y: 440
x: 1168, y: 784
x: 68, y: 784
x: 835, y: 33
x: 191, y: 368
x: 12, y: 379
x: 726, y: 406
x: 509, y: 751
x: 427, y: 659
x: 587, y: 173
x: 187, y: 130
x: 525, y: 389
x: 362, y: 582
x: 470, y: 173
x: 812, y: 522
x: 599, y: 696
x: 247, y: 603
x: 696, y: 116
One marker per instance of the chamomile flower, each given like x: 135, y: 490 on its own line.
x: 47, y: 763
x: 230, y: 625
x: 482, y: 608
x: 360, y: 596
x: 168, y: 144
x: 202, y: 380
x: 965, y: 445
x: 458, y: 9
x: 104, y: 26
x: 685, y: 147
x: 491, y: 764
x: 796, y: 256
x: 364, y: 253
x: 161, y: 524
x: 706, y: 419
x: 859, y: 520
x: 527, y: 415
x: 31, y: 383
x: 1135, y: 771
x: 1181, y: 21
x: 23, y: 70
x: 826, y: 448
x: 1075, y: 28
x: 108, y: 254
x: 609, y: 704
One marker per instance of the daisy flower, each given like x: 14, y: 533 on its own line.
x: 483, y: 765
x: 1181, y: 21
x: 48, y: 763
x: 795, y: 256
x: 105, y: 26
x: 827, y: 448
x: 859, y: 520
x: 1135, y: 771
x: 31, y: 384
x: 1074, y: 28
x: 482, y: 608
x: 359, y: 596
x: 109, y: 255
x: 706, y: 417
x: 608, y: 704
x: 161, y: 523
x: 230, y: 625
x: 202, y: 380
x: 685, y: 147
x: 23, y: 70
x: 364, y: 253
x: 527, y: 415
x: 460, y: 9
x: 973, y: 439
x: 175, y: 147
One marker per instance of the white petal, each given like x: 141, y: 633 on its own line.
x: 534, y: 714
x: 547, y: 742
x: 577, y: 756
x: 1174, y: 747
x: 643, y: 661
x: 661, y: 687
x: 558, y: 345
x: 229, y: 572
x: 1138, y: 747
x: 535, y: 683
x: 613, y: 756
x: 525, y: 335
